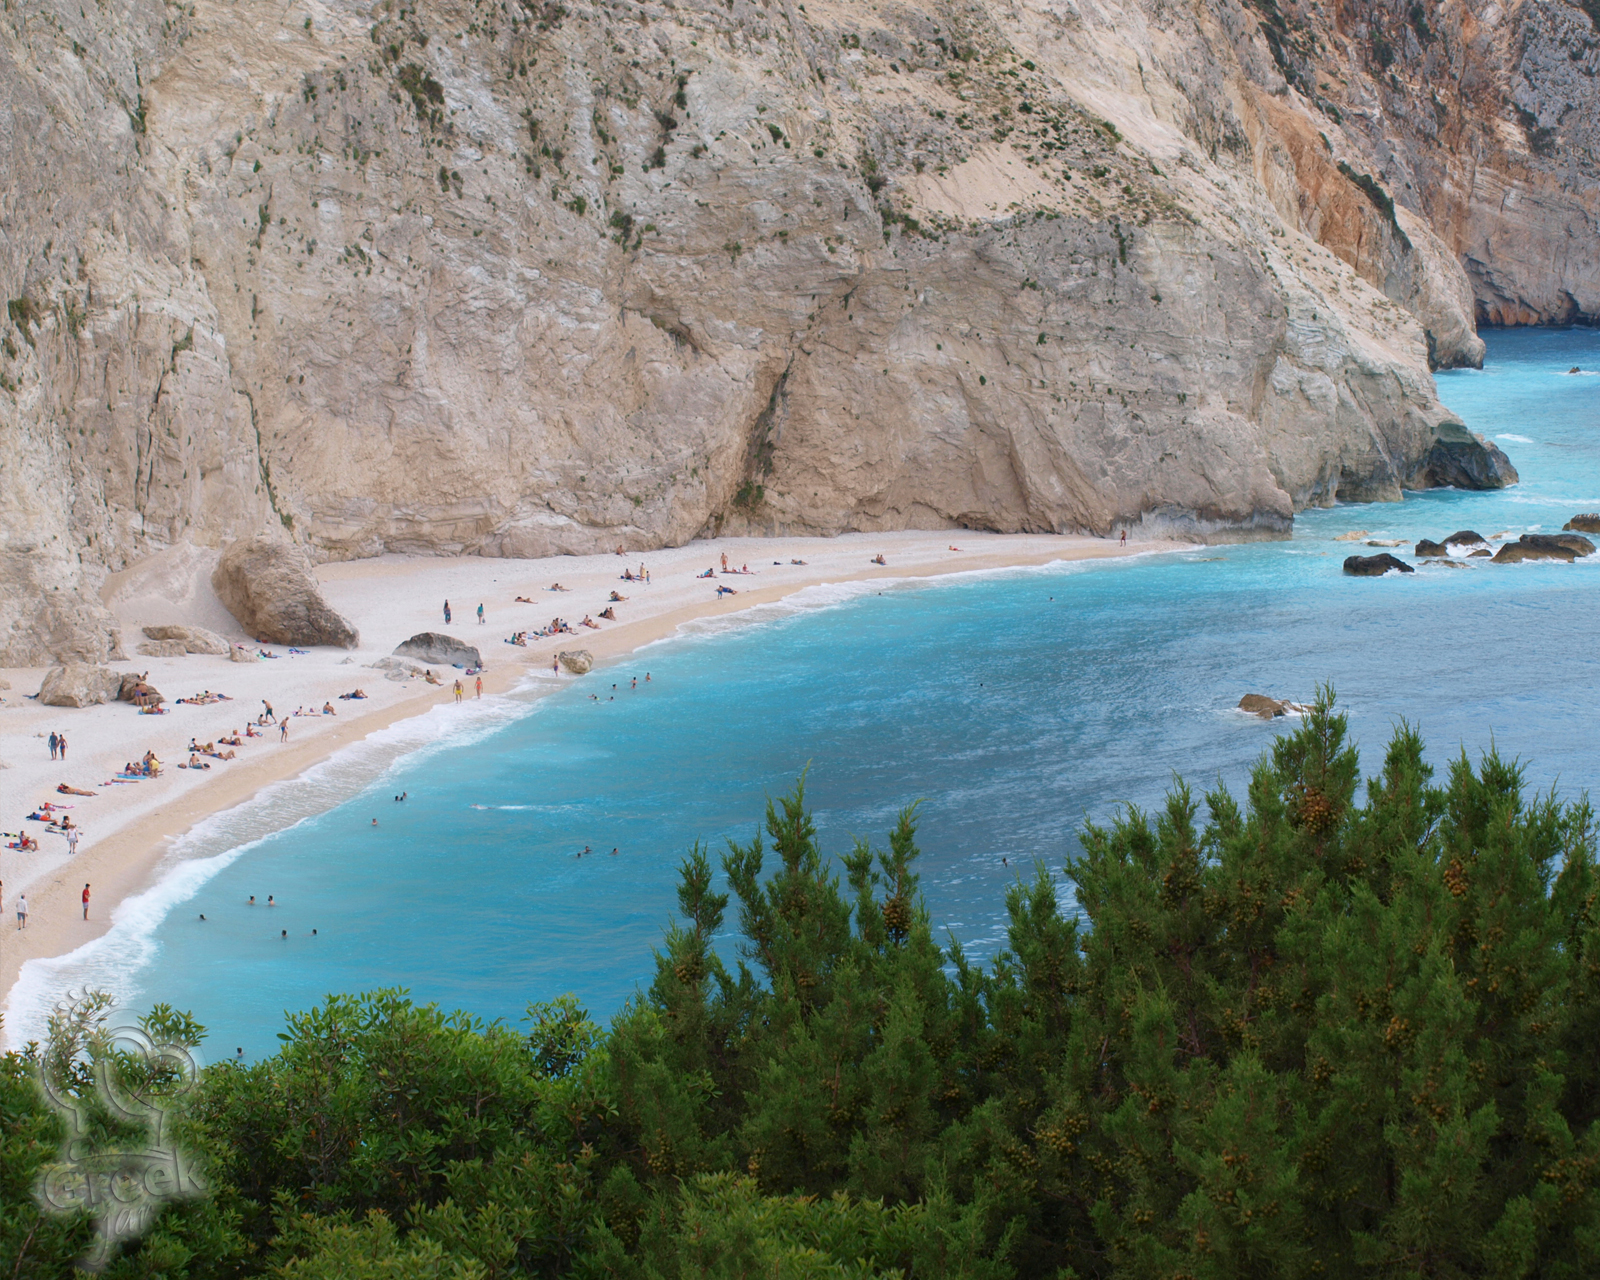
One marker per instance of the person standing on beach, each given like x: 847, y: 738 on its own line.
x: 458, y: 691
x: 61, y: 745
x: 52, y: 744
x: 22, y: 911
x: 447, y: 613
x: 480, y: 686
x: 480, y: 613
x: 267, y: 711
x: 86, y: 902
x: 1124, y: 541
x: 72, y: 843
x: 283, y: 731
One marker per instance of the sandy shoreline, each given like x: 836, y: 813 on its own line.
x: 128, y: 829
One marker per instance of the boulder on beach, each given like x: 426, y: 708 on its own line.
x: 439, y: 649
x: 1517, y: 552
x: 578, y: 661
x: 1258, y: 704
x: 1375, y: 566
x: 161, y: 649
x: 137, y: 690
x: 79, y: 684
x: 1588, y: 522
x: 397, y: 669
x: 267, y: 584
x: 240, y: 654
x: 193, y: 639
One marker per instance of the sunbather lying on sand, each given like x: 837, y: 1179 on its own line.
x: 615, y: 597
x: 65, y: 790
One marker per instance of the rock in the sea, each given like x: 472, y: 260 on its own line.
x: 1258, y: 704
x: 79, y: 685
x: 1355, y: 535
x: 1450, y: 562
x: 1588, y: 522
x: 193, y: 639
x: 440, y: 649
x: 1461, y: 460
x: 1375, y: 566
x: 1465, y: 538
x: 1386, y: 542
x: 578, y: 661
x: 161, y: 649
x: 1427, y: 547
x: 1481, y: 551
x: 1575, y: 543
x: 267, y: 584
x: 1517, y: 552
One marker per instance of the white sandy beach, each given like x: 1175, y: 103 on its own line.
x: 127, y: 828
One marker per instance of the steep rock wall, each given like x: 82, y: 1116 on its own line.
x: 524, y: 278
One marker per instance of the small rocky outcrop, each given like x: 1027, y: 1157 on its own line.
x: 1461, y: 460
x: 1520, y: 551
x: 79, y: 684
x: 397, y: 669
x: 1258, y: 704
x: 268, y: 586
x: 193, y: 639
x: 439, y: 649
x: 136, y: 689
x: 1375, y: 566
x: 1586, y: 523
x: 161, y: 649
x: 1575, y: 543
x: 578, y: 661
x: 1427, y: 547
x: 240, y: 654
x: 1355, y: 535
x: 1460, y: 538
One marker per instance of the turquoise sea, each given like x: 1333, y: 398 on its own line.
x: 1013, y: 705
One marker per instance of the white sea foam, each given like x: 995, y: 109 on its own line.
x: 1506, y: 435
x: 113, y: 961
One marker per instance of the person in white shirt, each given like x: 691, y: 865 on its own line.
x: 22, y: 911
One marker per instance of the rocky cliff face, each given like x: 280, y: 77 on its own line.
x: 518, y: 277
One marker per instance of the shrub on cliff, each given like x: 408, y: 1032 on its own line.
x: 1317, y: 1029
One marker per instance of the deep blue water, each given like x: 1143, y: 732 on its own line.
x: 1012, y: 705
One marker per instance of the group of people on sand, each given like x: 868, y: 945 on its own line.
x: 204, y: 699
x: 58, y: 746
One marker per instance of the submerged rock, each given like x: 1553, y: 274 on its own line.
x: 439, y: 649
x: 1517, y: 552
x: 1258, y: 704
x: 267, y: 584
x: 1585, y: 523
x: 1575, y: 543
x: 79, y: 684
x: 1355, y: 535
x: 1375, y: 566
x: 578, y: 661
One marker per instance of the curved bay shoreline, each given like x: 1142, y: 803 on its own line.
x: 128, y: 837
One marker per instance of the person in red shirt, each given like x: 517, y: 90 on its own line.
x: 85, y: 902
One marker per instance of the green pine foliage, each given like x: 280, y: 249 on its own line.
x: 1336, y: 1027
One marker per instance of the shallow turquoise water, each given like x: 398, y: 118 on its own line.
x: 1013, y: 705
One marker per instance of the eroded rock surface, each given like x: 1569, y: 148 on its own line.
x: 440, y: 649
x: 461, y: 278
x: 79, y: 685
x: 580, y: 662
x: 267, y: 584
x: 193, y: 639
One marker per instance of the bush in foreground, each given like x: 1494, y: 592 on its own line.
x: 1314, y: 1033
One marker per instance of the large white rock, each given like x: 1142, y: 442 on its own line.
x: 267, y: 584
x: 193, y: 639
x: 79, y: 685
